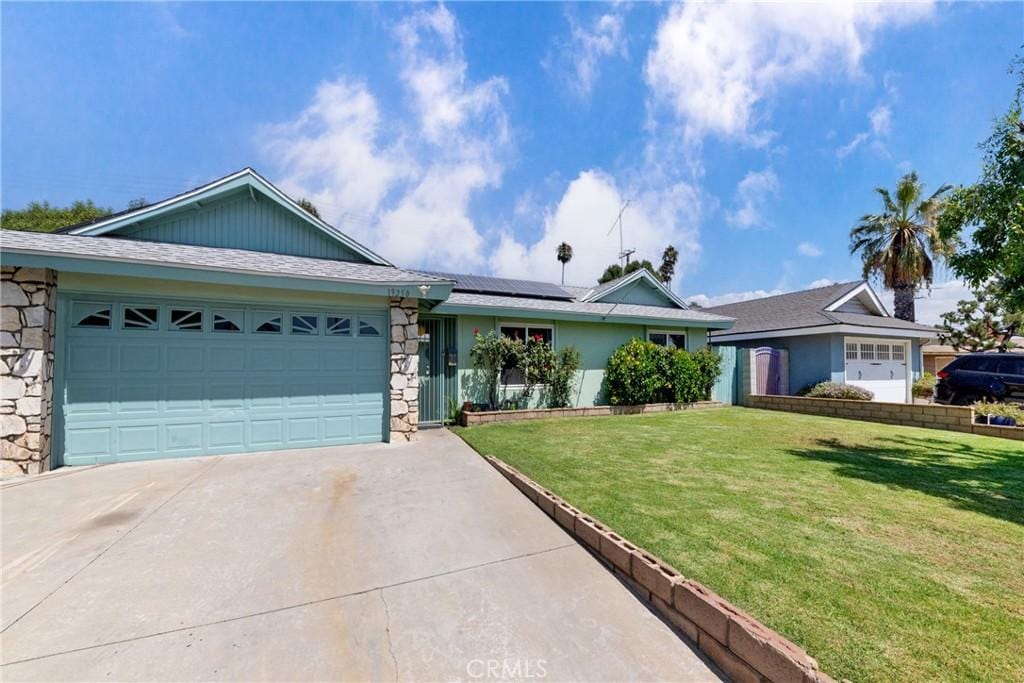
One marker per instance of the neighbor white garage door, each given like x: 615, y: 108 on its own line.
x: 879, y: 366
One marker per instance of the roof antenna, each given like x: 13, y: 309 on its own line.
x: 623, y: 252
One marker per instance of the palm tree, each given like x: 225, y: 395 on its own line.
x: 669, y: 258
x: 901, y: 244
x: 564, y: 252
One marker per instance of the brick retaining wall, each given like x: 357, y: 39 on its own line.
x: 931, y: 416
x: 745, y: 649
x: 470, y: 419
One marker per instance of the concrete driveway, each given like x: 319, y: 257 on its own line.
x: 413, y: 562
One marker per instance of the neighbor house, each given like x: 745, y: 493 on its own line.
x: 229, y: 319
x: 841, y: 333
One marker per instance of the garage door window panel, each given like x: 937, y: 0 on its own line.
x: 370, y: 325
x: 225, y: 320
x: 91, y: 315
x: 186, y: 320
x: 339, y: 325
x: 306, y: 324
x: 140, y: 318
x: 899, y: 353
x: 266, y: 323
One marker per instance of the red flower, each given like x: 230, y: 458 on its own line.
x: 537, y: 337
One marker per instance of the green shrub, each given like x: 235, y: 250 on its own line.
x: 999, y: 410
x: 561, y: 377
x: 643, y: 372
x: 635, y: 373
x: 709, y: 368
x: 924, y: 386
x: 806, y: 389
x: 492, y: 353
x: 837, y: 390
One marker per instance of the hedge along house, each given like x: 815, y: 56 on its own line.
x: 228, y: 319
x: 840, y: 333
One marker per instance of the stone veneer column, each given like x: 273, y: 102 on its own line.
x: 405, y: 365
x: 27, y: 323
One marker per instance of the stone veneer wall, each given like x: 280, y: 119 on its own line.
x: 27, y: 323
x: 405, y: 366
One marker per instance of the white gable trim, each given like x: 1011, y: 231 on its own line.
x: 247, y: 177
x: 632, y: 278
x: 864, y: 287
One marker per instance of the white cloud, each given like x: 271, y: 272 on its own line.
x: 717, y: 66
x: 705, y: 300
x: 583, y: 216
x: 756, y: 188
x: 943, y: 297
x: 880, y: 123
x: 808, y: 249
x: 404, y: 188
x: 589, y: 44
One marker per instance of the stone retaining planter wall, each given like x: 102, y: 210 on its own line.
x: 27, y: 322
x: 470, y: 419
x: 931, y: 416
x: 745, y: 649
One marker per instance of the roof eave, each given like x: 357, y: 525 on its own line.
x: 524, y: 312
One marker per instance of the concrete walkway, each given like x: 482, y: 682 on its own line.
x: 413, y: 562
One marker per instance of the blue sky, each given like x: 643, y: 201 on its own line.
x: 478, y: 136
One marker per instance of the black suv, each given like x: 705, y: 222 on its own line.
x: 981, y: 376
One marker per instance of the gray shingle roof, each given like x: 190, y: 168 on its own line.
x: 207, y: 258
x: 805, y: 308
x: 611, y: 311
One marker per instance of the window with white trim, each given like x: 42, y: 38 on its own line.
x: 140, y: 318
x: 266, y: 323
x: 899, y: 353
x: 882, y: 351
x: 671, y: 339
x: 339, y: 325
x: 867, y: 351
x: 91, y: 315
x: 227, y: 320
x: 370, y: 325
x: 186, y: 320
x: 306, y: 324
x: 851, y: 350
x: 545, y: 333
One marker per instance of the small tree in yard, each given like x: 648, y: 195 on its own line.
x: 562, y: 376
x: 982, y: 323
x: 490, y: 355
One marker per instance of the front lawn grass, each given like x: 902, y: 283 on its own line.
x: 888, y: 553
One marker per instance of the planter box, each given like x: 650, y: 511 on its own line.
x: 474, y: 418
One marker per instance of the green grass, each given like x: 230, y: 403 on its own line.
x: 888, y: 553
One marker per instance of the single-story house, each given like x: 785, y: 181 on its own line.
x: 841, y: 333
x: 937, y: 356
x: 229, y: 319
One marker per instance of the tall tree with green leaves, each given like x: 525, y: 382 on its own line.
x: 615, y: 271
x: 43, y: 217
x: 669, y: 259
x: 564, y: 255
x: 992, y: 210
x: 901, y: 245
x: 309, y: 206
x: 982, y: 323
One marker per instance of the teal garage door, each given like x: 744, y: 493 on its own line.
x: 145, y: 380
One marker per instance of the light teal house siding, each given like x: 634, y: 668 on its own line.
x: 595, y: 341
x: 238, y: 221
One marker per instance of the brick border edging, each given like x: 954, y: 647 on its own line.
x: 744, y: 648
x: 483, y: 417
x: 926, y: 415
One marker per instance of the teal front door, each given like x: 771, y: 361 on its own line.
x: 146, y: 379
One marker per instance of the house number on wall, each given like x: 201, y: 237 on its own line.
x: 402, y: 292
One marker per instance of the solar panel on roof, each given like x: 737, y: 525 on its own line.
x: 481, y: 284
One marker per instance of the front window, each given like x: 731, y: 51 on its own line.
x: 514, y: 376
x: 673, y: 340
